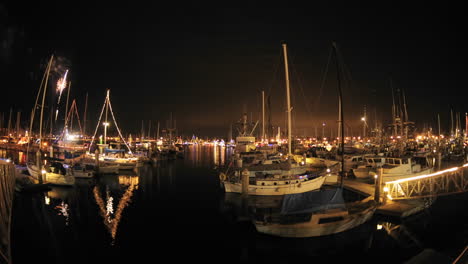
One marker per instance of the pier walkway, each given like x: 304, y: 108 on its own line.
x: 408, y: 196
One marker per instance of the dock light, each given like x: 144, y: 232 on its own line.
x: 379, y: 226
x: 43, y: 171
x: 8, y: 160
x: 47, y: 200
x: 385, y: 189
x: 328, y: 170
x: 105, y: 124
x: 376, y: 176
x: 363, y: 119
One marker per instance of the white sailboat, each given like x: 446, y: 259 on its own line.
x: 278, y: 177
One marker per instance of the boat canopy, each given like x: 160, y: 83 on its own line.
x: 313, y: 201
x: 114, y: 150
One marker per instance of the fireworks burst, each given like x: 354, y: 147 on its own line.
x: 61, y: 85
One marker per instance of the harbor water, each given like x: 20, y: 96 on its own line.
x: 176, y: 211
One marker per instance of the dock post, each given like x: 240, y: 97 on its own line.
x: 51, y: 151
x: 245, y: 182
x: 96, y: 156
x: 38, y: 164
x: 378, y: 186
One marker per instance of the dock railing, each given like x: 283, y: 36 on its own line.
x: 444, y: 182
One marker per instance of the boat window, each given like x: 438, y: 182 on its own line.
x: 390, y: 161
x: 360, y: 159
x: 397, y: 162
x: 354, y: 159
x: 404, y: 161
x: 377, y: 160
x: 330, y: 219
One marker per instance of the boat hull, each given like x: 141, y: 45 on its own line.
x: 281, y: 188
x: 314, y: 228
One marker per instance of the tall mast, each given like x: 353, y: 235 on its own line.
x: 68, y: 95
x: 43, y: 99
x: 394, y: 114
x: 341, y: 110
x: 438, y: 122
x: 404, y: 107
x: 288, y: 99
x: 84, y: 118
x: 263, y: 116
x: 451, y: 122
x: 18, y: 122
x: 9, y: 121
x: 106, y: 123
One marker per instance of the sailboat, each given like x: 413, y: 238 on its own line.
x: 50, y: 173
x: 275, y: 177
x: 318, y: 213
x: 108, y: 156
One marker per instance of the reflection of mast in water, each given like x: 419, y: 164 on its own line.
x: 215, y: 155
x: 222, y: 155
x: 106, y: 208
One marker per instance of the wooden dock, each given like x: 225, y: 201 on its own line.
x: 399, y: 209
x: 7, y: 188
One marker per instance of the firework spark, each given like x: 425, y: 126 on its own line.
x: 61, y: 85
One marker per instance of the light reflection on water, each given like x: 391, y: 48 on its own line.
x: 179, y: 204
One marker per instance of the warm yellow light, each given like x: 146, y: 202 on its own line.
x: 363, y: 119
x: 43, y: 171
x: 105, y: 124
x: 425, y: 175
x: 385, y: 189
x: 376, y: 176
x: 379, y: 227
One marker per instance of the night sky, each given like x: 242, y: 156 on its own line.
x: 207, y: 65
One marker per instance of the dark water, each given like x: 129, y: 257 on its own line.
x: 177, y: 212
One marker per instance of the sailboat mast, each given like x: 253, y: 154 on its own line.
x: 438, y: 123
x: 263, y: 116
x: 288, y: 99
x: 106, y: 123
x: 85, y: 109
x: 341, y: 110
x: 68, y: 95
x: 43, y: 100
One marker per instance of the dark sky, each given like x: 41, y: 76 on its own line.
x: 207, y: 64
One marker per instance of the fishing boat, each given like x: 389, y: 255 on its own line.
x: 393, y: 168
x: 265, y: 185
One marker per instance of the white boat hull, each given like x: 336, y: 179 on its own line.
x: 282, y: 187
x: 52, y: 178
x: 393, y: 177
x: 314, y: 228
